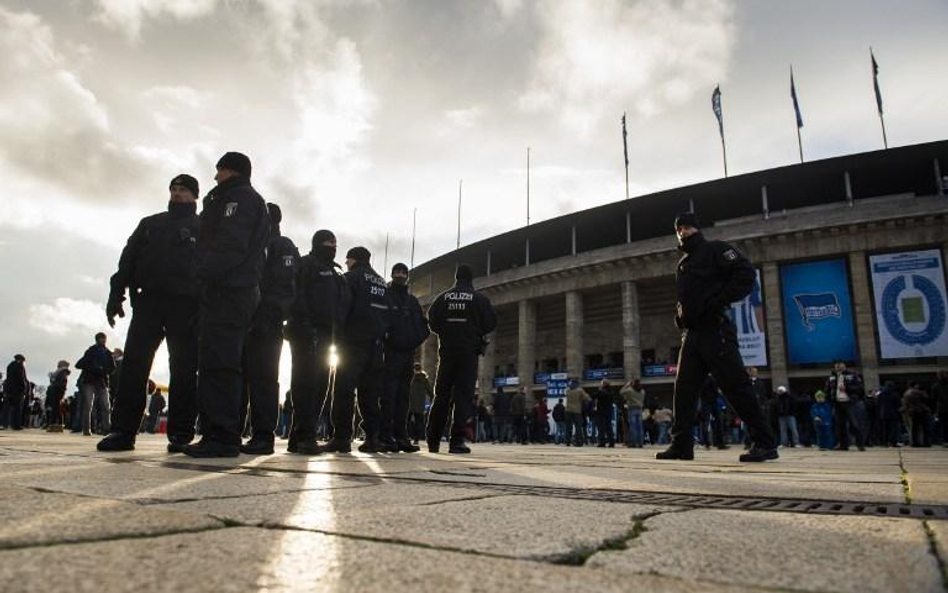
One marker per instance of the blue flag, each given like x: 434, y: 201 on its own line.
x: 716, y: 106
x: 796, y: 105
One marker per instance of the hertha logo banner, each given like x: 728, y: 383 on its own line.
x: 909, y: 289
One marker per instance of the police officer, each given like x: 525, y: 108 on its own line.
x: 158, y: 268
x: 316, y: 321
x: 265, y: 340
x: 710, y: 276
x: 409, y: 330
x: 235, y: 230
x: 461, y: 317
x: 362, y: 366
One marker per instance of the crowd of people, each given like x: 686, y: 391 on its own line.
x: 225, y: 289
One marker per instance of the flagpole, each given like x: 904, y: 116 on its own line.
x: 414, y: 225
x: 528, y: 186
x: 724, y: 153
x: 800, y: 144
x: 885, y: 141
x: 460, y: 186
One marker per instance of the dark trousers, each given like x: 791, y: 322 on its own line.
x: 891, y: 431
x: 576, y: 428
x: 309, y: 386
x: 395, y: 397
x: 54, y: 398
x: 921, y: 436
x: 225, y: 318
x: 454, y: 393
x: 714, y: 350
x: 156, y: 317
x: 847, y: 418
x: 604, y: 425
x: 362, y: 371
x: 11, y: 413
x: 261, y: 390
x: 417, y: 425
x: 520, y: 429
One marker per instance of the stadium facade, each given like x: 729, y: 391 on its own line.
x: 850, y: 253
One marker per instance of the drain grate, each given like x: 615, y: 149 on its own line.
x: 703, y: 501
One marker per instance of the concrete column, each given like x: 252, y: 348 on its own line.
x: 526, y: 338
x: 773, y: 307
x: 631, y: 328
x: 574, y: 334
x: 865, y: 321
x: 485, y: 373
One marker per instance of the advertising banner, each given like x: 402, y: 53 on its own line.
x: 817, y: 312
x: 910, y: 301
x: 748, y: 316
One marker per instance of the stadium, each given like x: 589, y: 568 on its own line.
x: 849, y: 251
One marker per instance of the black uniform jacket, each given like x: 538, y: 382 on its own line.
x: 370, y: 316
x: 461, y: 317
x: 710, y: 277
x: 278, y: 285
x: 160, y: 254
x: 235, y: 229
x: 322, y: 301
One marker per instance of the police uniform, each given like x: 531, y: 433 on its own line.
x: 362, y: 357
x: 461, y: 317
x: 710, y: 276
x: 235, y: 230
x: 158, y: 268
x: 316, y: 321
x: 265, y: 340
x: 409, y: 330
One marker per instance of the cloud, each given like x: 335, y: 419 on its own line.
x: 128, y: 16
x: 52, y: 126
x: 66, y: 315
x: 604, y: 57
x: 464, y: 118
x: 508, y: 8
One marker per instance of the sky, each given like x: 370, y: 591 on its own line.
x: 355, y: 113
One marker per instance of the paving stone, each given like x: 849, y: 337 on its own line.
x: 803, y: 552
x: 32, y: 518
x: 155, y: 483
x: 245, y: 559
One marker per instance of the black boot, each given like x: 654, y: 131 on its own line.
x: 406, y: 446
x: 307, y: 446
x: 207, y: 448
x: 371, y: 444
x: 434, y: 444
x: 757, y: 454
x: 388, y: 445
x: 117, y: 441
x: 258, y: 445
x: 336, y: 445
x: 457, y: 447
x: 675, y: 452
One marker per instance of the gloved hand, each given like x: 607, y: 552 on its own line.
x: 114, y: 307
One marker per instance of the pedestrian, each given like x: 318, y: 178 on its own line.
x: 501, y: 410
x: 58, y: 382
x: 264, y: 342
x: 541, y: 422
x: 231, y: 251
x: 96, y: 365
x: 316, y: 321
x: 605, y: 400
x: 409, y: 330
x: 155, y: 407
x: 845, y: 390
x: 576, y: 397
x: 919, y: 414
x: 789, y: 437
x: 362, y: 353
x: 559, y: 417
x: 633, y: 393
x: 421, y: 395
x: 157, y: 268
x: 15, y: 388
x: 518, y: 416
x: 709, y: 277
x: 890, y: 416
x: 462, y: 317
x: 939, y: 393
x: 821, y: 414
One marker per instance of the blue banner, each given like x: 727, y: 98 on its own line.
x: 817, y: 312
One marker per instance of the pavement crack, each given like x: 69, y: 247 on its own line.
x: 903, y: 477
x: 580, y: 556
x: 6, y: 547
x: 933, y: 549
x: 467, y: 499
